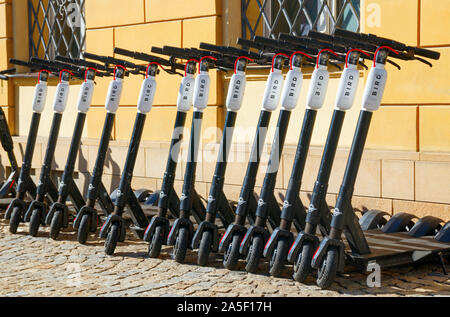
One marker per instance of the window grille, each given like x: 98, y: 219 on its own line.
x: 56, y: 27
x: 297, y: 17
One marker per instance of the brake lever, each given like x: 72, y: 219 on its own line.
x: 363, y: 65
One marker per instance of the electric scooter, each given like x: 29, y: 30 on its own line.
x: 37, y: 210
x: 114, y: 228
x: 25, y: 185
x: 386, y: 246
x: 86, y: 220
x: 7, y: 187
x: 58, y: 215
x: 258, y: 234
x: 318, y: 211
x: 206, y: 237
x: 158, y: 228
x: 231, y: 240
x: 182, y: 229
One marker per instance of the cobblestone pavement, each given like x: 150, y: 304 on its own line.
x: 43, y: 267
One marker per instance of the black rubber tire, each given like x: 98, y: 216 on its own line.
x: 181, y: 245
x: 328, y: 268
x: 254, y: 253
x: 154, y: 247
x: 231, y: 255
x: 112, y: 238
x: 35, y: 222
x: 56, y: 224
x: 302, y: 265
x: 84, y: 228
x: 14, y: 221
x: 204, y: 248
x: 278, y: 258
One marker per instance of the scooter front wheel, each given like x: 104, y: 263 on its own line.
x: 56, y: 224
x: 328, y: 268
x: 14, y: 221
x: 204, y: 248
x: 35, y: 222
x: 254, y: 253
x: 231, y: 254
x: 112, y: 238
x: 302, y: 266
x: 84, y: 228
x: 154, y: 248
x: 181, y: 245
x: 278, y: 258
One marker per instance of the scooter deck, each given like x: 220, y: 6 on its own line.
x: 393, y: 249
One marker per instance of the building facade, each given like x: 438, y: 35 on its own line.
x: 406, y: 165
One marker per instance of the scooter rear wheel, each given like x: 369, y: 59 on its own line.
x: 154, y: 248
x: 112, y: 238
x: 35, y: 222
x: 181, y: 245
x: 205, y: 248
x: 302, y: 266
x: 56, y: 224
x: 231, y: 254
x: 278, y: 258
x: 328, y: 268
x: 254, y: 253
x: 83, y: 229
x: 14, y: 221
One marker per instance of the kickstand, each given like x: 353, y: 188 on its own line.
x: 442, y: 262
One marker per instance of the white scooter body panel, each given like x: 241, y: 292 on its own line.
x: 61, y: 96
x: 146, y: 95
x: 317, y: 88
x: 113, y: 96
x: 201, y: 91
x: 236, y: 91
x: 85, y: 96
x: 348, y: 86
x: 40, y: 96
x: 373, y: 92
x: 291, y: 89
x: 272, y: 91
x: 186, y: 93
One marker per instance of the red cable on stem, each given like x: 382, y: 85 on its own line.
x: 115, y: 67
x: 348, y: 53
x: 235, y: 62
x: 39, y: 74
x: 273, y: 59
x: 297, y: 52
x: 318, y: 55
x: 375, y: 55
x: 185, y: 65
x: 85, y: 73
x: 64, y: 70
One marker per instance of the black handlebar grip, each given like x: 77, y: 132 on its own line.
x: 426, y: 53
x: 100, y: 58
x: 8, y: 71
x: 19, y: 62
x: 124, y: 52
x: 320, y: 36
x: 347, y: 34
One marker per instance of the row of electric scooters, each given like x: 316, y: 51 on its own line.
x: 255, y: 226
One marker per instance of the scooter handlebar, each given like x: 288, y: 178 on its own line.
x: 82, y: 62
x: 148, y: 58
x: 381, y: 41
x: 8, y: 71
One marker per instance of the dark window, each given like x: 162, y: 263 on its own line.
x: 270, y: 17
x: 56, y: 27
